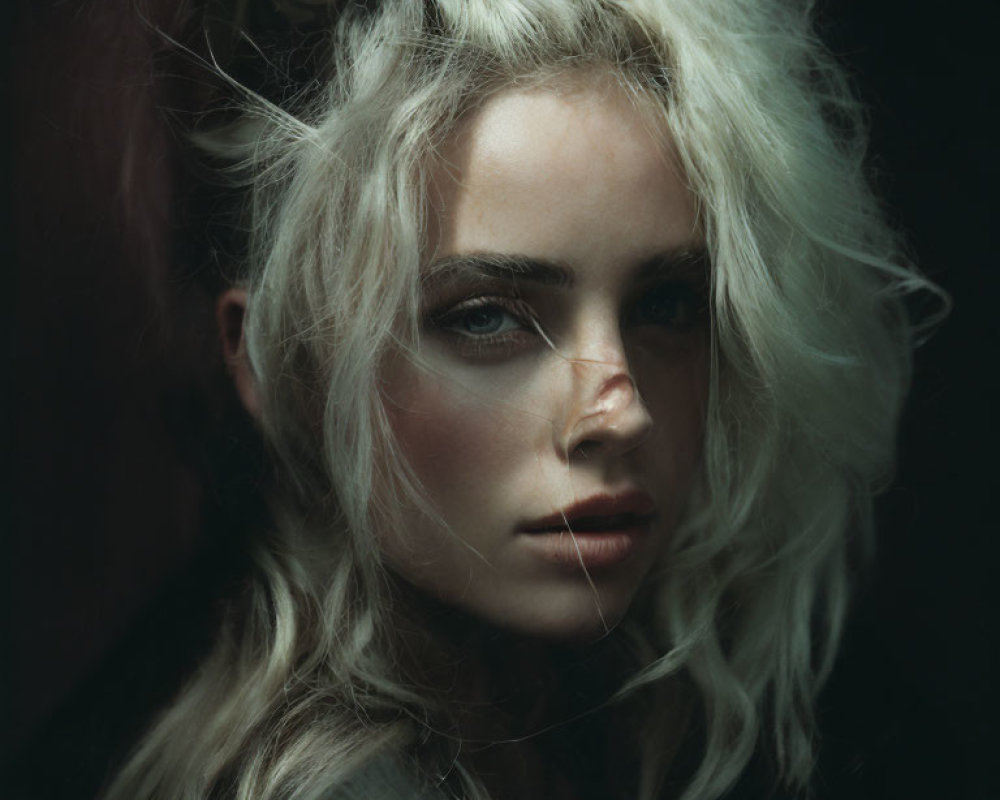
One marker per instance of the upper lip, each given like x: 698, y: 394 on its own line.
x: 600, y: 511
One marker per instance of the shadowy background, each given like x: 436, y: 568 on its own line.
x: 911, y: 711
x: 114, y: 549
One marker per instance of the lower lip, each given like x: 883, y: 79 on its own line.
x: 592, y: 550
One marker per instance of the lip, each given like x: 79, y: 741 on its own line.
x: 600, y: 531
x: 586, y: 515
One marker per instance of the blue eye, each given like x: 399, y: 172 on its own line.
x: 482, y: 318
x: 484, y: 321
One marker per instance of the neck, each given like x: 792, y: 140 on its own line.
x: 527, y: 716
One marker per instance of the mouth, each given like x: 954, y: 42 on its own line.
x: 604, y: 513
x: 599, y: 533
x: 596, y: 524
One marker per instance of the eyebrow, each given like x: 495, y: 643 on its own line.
x: 499, y: 265
x: 688, y: 261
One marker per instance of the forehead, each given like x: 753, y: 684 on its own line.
x: 554, y: 131
x: 544, y: 167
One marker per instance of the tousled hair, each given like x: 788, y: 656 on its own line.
x: 810, y: 361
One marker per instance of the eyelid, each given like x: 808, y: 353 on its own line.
x: 450, y: 313
x: 511, y: 303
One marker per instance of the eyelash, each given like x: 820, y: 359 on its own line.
x: 451, y: 317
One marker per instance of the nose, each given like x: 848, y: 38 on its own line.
x: 606, y: 413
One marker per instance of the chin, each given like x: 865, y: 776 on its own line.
x: 578, y: 617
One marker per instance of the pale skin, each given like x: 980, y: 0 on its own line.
x: 603, y: 403
x: 531, y: 392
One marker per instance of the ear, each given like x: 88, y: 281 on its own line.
x: 230, y: 315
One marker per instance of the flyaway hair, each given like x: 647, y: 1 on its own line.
x: 810, y: 363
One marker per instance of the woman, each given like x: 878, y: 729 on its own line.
x: 576, y: 335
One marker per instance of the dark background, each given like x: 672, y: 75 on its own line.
x: 912, y: 709
x: 112, y: 385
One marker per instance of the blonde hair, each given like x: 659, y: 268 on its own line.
x: 810, y: 364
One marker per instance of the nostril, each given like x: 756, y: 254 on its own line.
x: 586, y: 449
x: 605, y: 414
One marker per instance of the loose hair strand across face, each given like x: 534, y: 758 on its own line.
x: 810, y: 363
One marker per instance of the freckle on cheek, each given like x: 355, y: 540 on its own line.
x: 446, y: 440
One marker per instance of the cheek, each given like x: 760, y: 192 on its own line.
x: 458, y: 445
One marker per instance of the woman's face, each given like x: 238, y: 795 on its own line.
x: 553, y: 411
